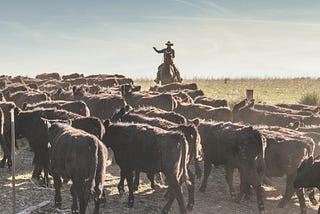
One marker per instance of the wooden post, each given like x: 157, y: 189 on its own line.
x: 13, y: 148
x: 249, y: 94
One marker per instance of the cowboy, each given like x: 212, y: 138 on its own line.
x: 168, y: 56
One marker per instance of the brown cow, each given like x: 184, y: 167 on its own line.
x: 102, y: 106
x: 78, y: 156
x: 167, y: 115
x: 298, y: 107
x: 30, y: 97
x: 244, y: 112
x: 278, y: 109
x: 192, y: 111
x: 211, y: 102
x: 78, y: 107
x: 136, y: 99
x: 284, y: 153
x: 72, y: 76
x: 47, y: 76
x: 174, y: 86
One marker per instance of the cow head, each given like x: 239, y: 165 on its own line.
x: 124, y: 110
x: 193, y: 137
x: 195, y: 122
x: 79, y: 92
x: 308, y: 174
x: 239, y: 105
x: 251, y: 149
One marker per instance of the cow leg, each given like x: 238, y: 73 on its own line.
x: 45, y: 165
x: 74, y: 194
x: 129, y: 178
x: 258, y: 189
x: 197, y: 168
x: 244, y: 188
x: 190, y: 189
x: 311, y: 196
x: 8, y: 143
x: 289, y: 191
x: 136, y: 180
x: 6, y: 152
x: 121, y: 182
x: 3, y: 161
x: 229, y: 178
x: 36, y: 175
x: 168, y: 205
x: 207, y: 170
x: 302, y: 201
x: 153, y: 184
x: 176, y: 193
x: 83, y: 196
x: 57, y: 187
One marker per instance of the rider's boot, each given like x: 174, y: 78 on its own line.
x: 179, y: 77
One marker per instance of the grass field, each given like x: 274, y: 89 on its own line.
x: 266, y: 90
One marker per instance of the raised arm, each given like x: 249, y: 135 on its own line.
x: 158, y: 51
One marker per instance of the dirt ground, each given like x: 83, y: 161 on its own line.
x: 216, y: 199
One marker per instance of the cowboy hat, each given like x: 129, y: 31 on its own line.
x: 169, y: 43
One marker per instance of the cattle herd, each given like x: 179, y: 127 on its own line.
x: 73, y: 122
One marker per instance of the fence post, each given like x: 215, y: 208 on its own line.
x: 249, y: 94
x: 13, y: 148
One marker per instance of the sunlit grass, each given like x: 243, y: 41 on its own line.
x: 265, y: 90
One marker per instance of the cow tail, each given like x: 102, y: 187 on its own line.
x: 184, y: 162
x: 310, y: 148
x: 93, y: 169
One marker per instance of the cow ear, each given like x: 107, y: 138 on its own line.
x: 136, y: 88
x: 196, y: 122
x: 106, y: 123
x: 24, y: 106
x: 122, y: 89
x: 8, y: 94
x: 127, y: 108
x: 59, y: 91
x: 46, y: 122
x: 251, y: 104
x: 16, y: 110
x: 296, y: 125
x: 310, y: 160
x: 74, y: 88
x: 128, y: 88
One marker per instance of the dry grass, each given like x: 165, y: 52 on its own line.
x: 266, y: 90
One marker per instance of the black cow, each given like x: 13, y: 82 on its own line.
x: 80, y: 157
x: 284, y: 153
x: 29, y: 124
x: 308, y: 175
x: 151, y: 150
x: 234, y: 146
x: 3, y: 144
x: 78, y: 107
x: 6, y: 109
x: 91, y: 125
x: 167, y: 115
x: 190, y: 132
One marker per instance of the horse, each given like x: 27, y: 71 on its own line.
x: 167, y: 70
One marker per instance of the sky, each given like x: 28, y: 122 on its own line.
x: 212, y: 38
